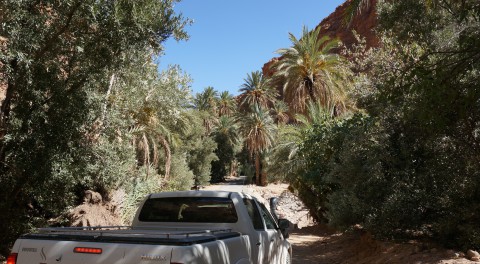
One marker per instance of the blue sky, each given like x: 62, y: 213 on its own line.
x: 229, y: 39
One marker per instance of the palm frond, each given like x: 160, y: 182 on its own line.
x: 258, y: 130
x: 280, y: 112
x: 226, y: 104
x: 227, y: 126
x: 257, y: 90
x: 354, y: 8
x: 312, y: 72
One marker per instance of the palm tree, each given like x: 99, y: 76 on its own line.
x: 256, y: 91
x: 315, y: 114
x: 284, y: 159
x: 226, y: 104
x: 311, y: 71
x: 257, y: 129
x: 227, y: 138
x: 228, y: 127
x: 207, y: 100
x: 279, y: 112
x: 147, y: 132
x: 206, y: 103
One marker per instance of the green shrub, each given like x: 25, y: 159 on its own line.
x: 181, y: 177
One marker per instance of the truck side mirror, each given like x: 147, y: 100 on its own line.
x: 284, y: 224
x: 273, y: 207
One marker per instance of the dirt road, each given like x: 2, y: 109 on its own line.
x: 321, y: 245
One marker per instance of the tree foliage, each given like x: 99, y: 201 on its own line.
x: 256, y: 91
x: 258, y: 130
x: 227, y: 138
x: 58, y: 64
x: 226, y: 104
x: 408, y: 164
x: 199, y: 148
x: 85, y: 108
x: 311, y: 71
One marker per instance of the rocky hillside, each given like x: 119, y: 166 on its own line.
x: 334, y: 27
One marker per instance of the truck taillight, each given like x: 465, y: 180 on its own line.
x: 12, y: 258
x: 87, y: 250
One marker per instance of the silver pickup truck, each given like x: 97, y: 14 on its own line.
x: 169, y: 227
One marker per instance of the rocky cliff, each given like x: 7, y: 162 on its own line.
x: 334, y: 27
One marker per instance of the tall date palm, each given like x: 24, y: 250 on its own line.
x: 226, y: 104
x: 207, y: 100
x: 207, y: 103
x: 256, y: 91
x: 258, y: 130
x: 312, y: 72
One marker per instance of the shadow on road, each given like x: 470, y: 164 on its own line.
x: 231, y: 184
x: 241, y: 180
x: 312, y: 245
x: 319, y: 244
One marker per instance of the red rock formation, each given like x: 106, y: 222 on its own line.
x: 334, y: 27
x: 364, y: 24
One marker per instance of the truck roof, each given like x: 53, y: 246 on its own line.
x: 222, y: 194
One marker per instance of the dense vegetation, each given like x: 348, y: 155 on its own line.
x: 85, y: 107
x: 388, y: 138
x: 405, y: 162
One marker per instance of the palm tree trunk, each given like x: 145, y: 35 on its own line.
x: 257, y: 169
x: 233, y: 168
x: 263, y: 180
x: 168, y: 156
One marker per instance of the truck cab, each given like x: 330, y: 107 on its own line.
x: 228, y: 210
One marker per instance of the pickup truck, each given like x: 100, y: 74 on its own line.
x: 169, y: 227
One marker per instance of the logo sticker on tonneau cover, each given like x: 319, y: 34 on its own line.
x: 33, y: 250
x: 153, y: 257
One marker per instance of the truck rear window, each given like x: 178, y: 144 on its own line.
x: 189, y: 209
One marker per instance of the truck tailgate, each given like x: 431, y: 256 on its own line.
x: 113, y: 247
x: 49, y: 251
x: 74, y: 252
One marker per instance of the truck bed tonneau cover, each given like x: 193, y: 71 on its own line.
x: 181, y: 239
